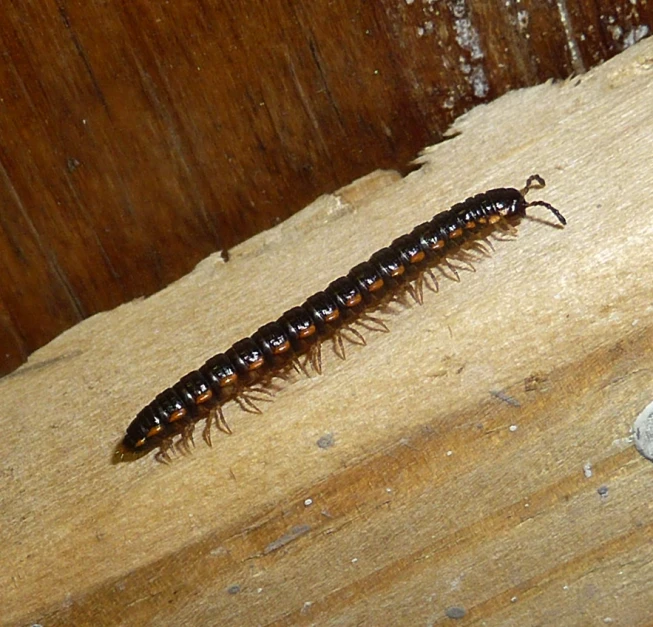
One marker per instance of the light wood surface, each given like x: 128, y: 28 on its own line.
x: 476, y: 458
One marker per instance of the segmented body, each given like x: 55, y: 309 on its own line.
x: 277, y: 346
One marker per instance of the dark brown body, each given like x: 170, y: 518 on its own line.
x: 276, y: 346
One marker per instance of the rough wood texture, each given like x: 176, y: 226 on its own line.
x: 477, y: 457
x: 138, y: 137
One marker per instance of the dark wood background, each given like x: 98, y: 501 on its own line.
x: 138, y: 137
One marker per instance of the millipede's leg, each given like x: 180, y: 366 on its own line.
x: 360, y: 339
x: 452, y: 268
x: 376, y: 323
x: 259, y: 393
x: 410, y: 289
x: 433, y: 285
x: 221, y: 422
x: 247, y: 404
x: 418, y: 290
x: 505, y: 232
x: 478, y: 246
x: 508, y: 227
x: 462, y: 257
x: 372, y: 325
x: 315, y: 357
x: 385, y: 307
x: 251, y: 397
x: 338, y: 346
x: 182, y: 446
x: 162, y: 456
x: 489, y: 244
x: 299, y: 365
x: 468, y: 255
x: 187, y: 436
x: 206, y: 432
x: 284, y: 375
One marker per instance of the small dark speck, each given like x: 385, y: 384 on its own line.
x: 502, y: 396
x: 296, y: 532
x: 603, y: 491
x: 326, y: 441
x: 235, y: 589
x: 225, y: 255
x: 72, y: 164
x: 455, y: 612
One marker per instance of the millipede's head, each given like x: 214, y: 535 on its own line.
x: 511, y: 203
x: 507, y: 202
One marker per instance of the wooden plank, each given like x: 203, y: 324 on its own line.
x: 477, y: 458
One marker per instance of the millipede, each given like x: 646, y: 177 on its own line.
x: 244, y: 372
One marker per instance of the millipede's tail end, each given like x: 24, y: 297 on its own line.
x: 551, y: 208
x: 121, y: 454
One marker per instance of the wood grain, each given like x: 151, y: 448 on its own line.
x: 136, y: 138
x: 477, y: 458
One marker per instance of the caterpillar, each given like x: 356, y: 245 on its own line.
x: 243, y: 373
